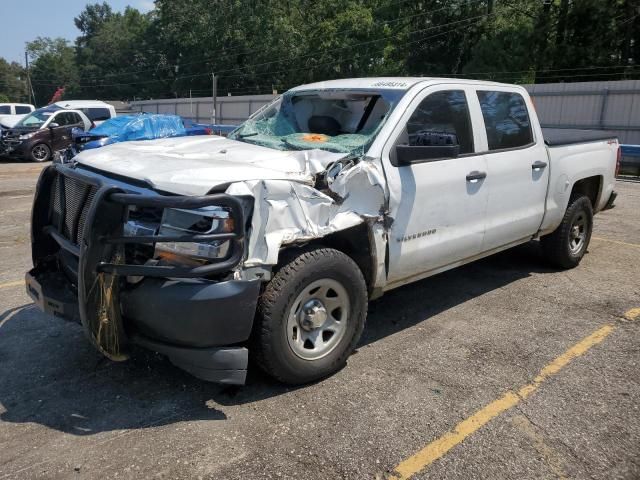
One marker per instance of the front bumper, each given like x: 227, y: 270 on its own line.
x: 191, y: 322
x: 14, y: 148
x: 195, y: 315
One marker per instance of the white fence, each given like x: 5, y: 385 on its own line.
x: 229, y: 110
x: 613, y: 106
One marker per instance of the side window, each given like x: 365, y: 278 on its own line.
x: 506, y: 119
x: 75, y: 118
x: 62, y: 119
x: 443, y: 112
x: 5, y: 110
x: 59, y: 119
x: 97, y: 114
x: 22, y: 110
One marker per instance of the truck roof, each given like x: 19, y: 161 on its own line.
x: 83, y: 104
x: 17, y: 104
x: 395, y: 83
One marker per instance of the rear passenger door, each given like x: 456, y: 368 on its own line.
x: 76, y: 121
x: 517, y: 167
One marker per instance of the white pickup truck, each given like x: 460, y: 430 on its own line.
x: 272, y: 241
x: 12, y: 113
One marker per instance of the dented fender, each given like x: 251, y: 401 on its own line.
x: 287, y: 212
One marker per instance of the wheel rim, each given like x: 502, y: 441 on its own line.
x: 40, y: 152
x: 578, y: 233
x: 318, y: 319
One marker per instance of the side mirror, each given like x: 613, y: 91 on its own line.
x: 54, y: 125
x: 426, y: 147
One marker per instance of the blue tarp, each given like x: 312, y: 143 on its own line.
x: 140, y: 127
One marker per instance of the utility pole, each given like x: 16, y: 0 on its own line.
x: 31, y: 93
x: 213, y: 97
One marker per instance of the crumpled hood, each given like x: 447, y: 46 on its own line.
x: 195, y: 165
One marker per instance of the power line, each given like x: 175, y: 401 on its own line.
x: 592, y: 67
x: 539, y: 74
x: 357, y: 44
x: 296, y: 57
x: 211, y: 59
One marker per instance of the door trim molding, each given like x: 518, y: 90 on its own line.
x: 459, y: 263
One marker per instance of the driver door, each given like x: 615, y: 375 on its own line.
x: 438, y: 205
x: 60, y: 132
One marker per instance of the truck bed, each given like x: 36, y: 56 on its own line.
x: 555, y: 137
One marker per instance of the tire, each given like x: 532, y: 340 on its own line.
x: 292, y: 342
x: 40, y: 152
x: 565, y: 247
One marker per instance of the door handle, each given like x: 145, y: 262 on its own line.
x: 537, y: 166
x: 476, y: 176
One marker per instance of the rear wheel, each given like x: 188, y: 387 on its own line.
x: 311, y: 316
x: 40, y: 153
x: 566, y: 246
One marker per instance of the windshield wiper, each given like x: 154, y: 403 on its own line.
x: 245, y: 135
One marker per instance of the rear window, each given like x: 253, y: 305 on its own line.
x: 21, y: 110
x: 506, y: 120
x: 97, y: 114
x: 5, y: 110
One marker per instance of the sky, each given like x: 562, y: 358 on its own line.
x: 24, y: 20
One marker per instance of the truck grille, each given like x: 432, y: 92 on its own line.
x: 70, y: 203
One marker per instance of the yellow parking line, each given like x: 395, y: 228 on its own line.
x: 636, y: 245
x: 439, y: 447
x: 12, y: 284
x: 632, y: 314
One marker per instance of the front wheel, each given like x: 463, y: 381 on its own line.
x: 311, y: 316
x: 568, y: 243
x: 40, y: 153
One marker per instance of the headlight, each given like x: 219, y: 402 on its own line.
x: 203, y: 221
x: 26, y: 136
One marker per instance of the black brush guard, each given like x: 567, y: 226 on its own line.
x: 100, y: 226
x: 88, y: 228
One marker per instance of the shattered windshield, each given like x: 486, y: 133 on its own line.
x: 343, y: 121
x: 36, y: 118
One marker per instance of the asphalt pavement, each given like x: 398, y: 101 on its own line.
x: 504, y: 368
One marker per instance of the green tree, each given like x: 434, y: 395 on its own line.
x: 256, y: 45
x: 53, y: 65
x: 13, y: 85
x: 91, y: 20
x: 505, y: 50
x: 559, y: 41
x: 115, y: 57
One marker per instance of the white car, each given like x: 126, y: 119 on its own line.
x: 12, y: 113
x: 275, y: 238
x: 96, y: 110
